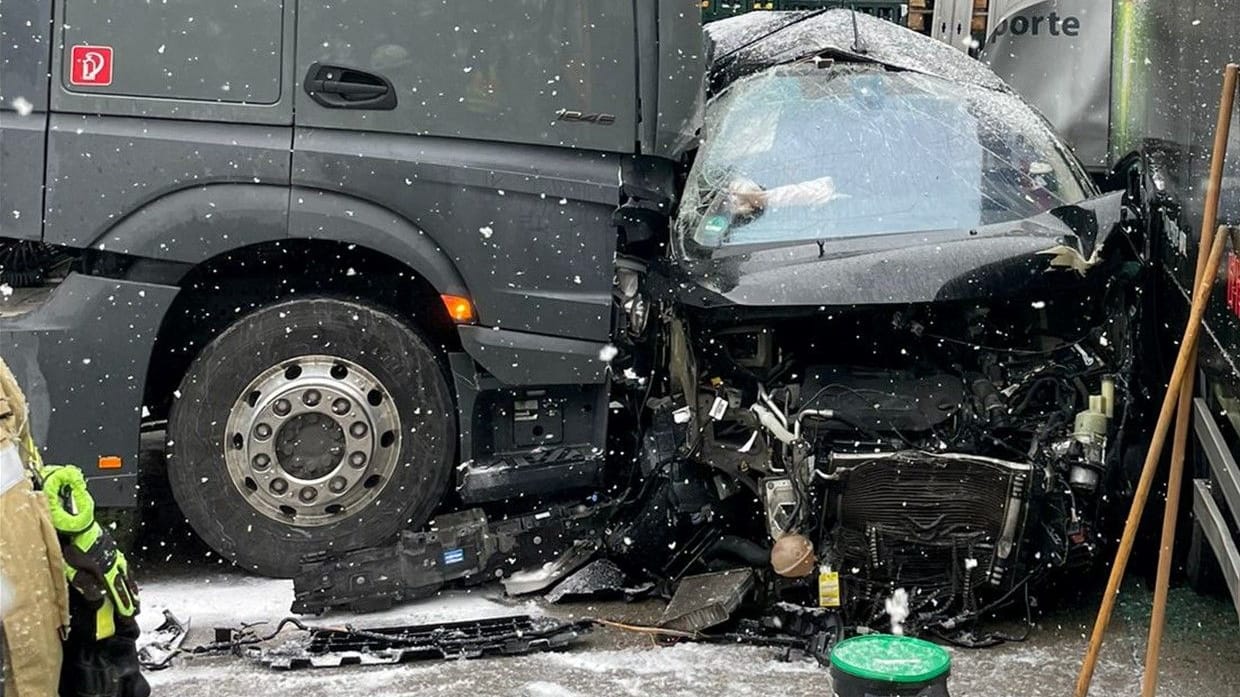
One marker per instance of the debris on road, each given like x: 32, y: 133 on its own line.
x: 707, y: 600
x: 601, y: 578
x: 158, y: 647
x: 335, y: 646
x: 501, y: 636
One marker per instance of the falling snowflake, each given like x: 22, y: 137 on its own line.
x: 897, y: 608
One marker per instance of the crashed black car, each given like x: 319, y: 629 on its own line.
x: 890, y: 343
x: 898, y: 318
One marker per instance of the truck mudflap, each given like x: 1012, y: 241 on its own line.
x: 1223, y: 483
x: 81, y: 354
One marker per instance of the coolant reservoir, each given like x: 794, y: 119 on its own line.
x: 1090, y: 430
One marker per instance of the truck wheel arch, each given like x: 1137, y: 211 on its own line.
x: 191, y: 226
x: 196, y: 225
x: 321, y: 224
x: 323, y: 215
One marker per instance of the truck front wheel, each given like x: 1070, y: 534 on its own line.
x: 310, y: 426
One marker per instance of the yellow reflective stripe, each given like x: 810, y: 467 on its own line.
x: 124, y: 605
x: 105, y: 623
x: 87, y: 539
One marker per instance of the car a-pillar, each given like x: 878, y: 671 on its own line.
x: 306, y: 390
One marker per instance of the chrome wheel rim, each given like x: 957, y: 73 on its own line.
x: 312, y: 440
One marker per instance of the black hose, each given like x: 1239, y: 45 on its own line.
x: 851, y: 423
x: 738, y: 548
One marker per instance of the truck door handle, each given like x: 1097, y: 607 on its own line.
x: 341, y: 87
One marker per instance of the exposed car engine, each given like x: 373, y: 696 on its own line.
x: 956, y: 450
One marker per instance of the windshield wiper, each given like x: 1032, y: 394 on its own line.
x: 858, y: 46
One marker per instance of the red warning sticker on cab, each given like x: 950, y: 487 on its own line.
x: 91, y: 66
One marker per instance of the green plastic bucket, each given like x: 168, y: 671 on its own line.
x: 884, y: 665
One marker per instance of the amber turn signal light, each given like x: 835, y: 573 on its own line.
x: 460, y: 309
x: 110, y: 462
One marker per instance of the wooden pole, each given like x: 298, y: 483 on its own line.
x: 1179, y: 445
x: 1187, y: 350
x: 1187, y: 346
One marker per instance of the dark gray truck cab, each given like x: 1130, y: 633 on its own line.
x: 176, y: 171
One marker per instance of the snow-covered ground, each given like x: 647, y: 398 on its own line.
x: 1203, y: 639
x: 224, y: 599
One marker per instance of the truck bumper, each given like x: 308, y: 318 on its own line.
x: 81, y: 355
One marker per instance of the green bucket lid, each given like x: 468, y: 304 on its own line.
x: 888, y: 658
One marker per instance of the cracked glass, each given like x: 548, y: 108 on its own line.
x: 799, y: 153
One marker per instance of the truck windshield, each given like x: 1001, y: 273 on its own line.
x: 798, y: 153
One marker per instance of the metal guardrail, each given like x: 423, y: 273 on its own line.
x: 1226, y: 476
x: 1218, y: 536
x: 1218, y: 454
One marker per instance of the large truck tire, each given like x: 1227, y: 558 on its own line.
x: 315, y: 425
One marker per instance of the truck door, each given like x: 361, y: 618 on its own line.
x: 152, y: 100
x: 25, y: 50
x: 493, y: 127
x: 168, y: 136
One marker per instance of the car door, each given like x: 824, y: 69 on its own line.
x: 25, y: 29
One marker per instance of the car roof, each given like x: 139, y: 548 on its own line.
x: 752, y: 42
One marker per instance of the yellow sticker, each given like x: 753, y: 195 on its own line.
x: 828, y: 588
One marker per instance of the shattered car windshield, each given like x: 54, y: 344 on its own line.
x: 800, y: 153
